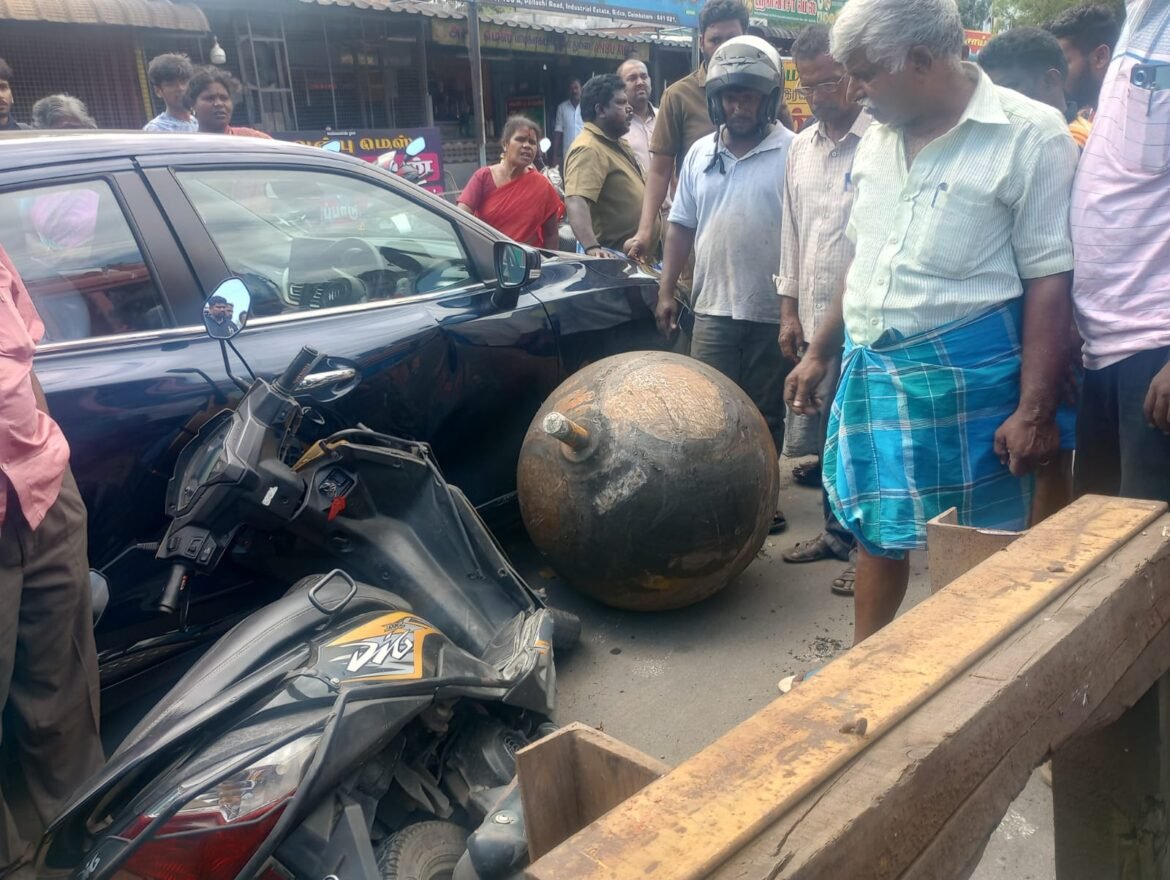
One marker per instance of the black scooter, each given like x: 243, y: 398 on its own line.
x: 365, y: 724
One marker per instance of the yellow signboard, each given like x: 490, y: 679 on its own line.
x: 513, y: 39
x: 796, y: 13
x: 797, y: 105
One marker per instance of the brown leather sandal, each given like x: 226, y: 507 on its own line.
x: 843, y: 584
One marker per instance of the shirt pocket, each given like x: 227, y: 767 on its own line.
x: 1145, y: 130
x: 956, y: 231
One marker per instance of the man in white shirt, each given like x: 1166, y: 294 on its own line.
x: 956, y: 308
x: 730, y: 192
x: 568, y: 125
x: 637, y: 79
x: 815, y: 253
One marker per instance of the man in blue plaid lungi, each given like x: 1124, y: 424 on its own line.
x: 956, y: 306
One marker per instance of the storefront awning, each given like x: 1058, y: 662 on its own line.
x: 453, y: 10
x: 158, y: 14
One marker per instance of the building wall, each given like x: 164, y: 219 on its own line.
x: 97, y: 64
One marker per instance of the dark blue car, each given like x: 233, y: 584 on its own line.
x: 121, y: 236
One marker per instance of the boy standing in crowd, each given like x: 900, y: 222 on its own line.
x: 169, y: 75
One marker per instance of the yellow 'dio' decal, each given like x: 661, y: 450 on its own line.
x: 388, y: 648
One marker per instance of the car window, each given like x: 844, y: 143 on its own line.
x: 311, y: 240
x: 78, y: 257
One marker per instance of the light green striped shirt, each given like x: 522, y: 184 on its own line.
x: 982, y: 207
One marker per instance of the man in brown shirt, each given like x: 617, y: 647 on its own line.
x: 604, y: 185
x: 683, y: 117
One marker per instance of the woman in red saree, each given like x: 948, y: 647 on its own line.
x: 512, y: 195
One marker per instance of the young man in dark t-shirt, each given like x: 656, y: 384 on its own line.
x: 683, y: 117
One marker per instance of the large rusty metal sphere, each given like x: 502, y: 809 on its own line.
x: 648, y: 480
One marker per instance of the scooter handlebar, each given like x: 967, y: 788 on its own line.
x: 287, y: 382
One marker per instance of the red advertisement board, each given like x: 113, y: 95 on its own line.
x: 421, y: 148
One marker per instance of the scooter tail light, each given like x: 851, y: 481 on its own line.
x: 216, y: 832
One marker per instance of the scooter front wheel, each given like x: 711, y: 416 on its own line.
x: 423, y: 851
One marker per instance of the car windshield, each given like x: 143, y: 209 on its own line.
x: 319, y: 239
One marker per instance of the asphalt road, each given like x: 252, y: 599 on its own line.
x: 669, y: 683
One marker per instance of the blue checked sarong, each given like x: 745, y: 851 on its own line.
x: 911, y: 432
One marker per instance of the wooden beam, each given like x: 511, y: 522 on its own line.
x: 922, y: 801
x: 692, y: 820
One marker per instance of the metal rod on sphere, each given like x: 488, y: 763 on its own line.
x: 566, y: 430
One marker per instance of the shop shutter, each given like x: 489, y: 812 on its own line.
x: 99, y: 65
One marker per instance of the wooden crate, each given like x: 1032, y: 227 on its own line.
x: 574, y: 777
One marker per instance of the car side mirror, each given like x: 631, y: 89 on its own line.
x: 227, y: 310
x: 517, y: 266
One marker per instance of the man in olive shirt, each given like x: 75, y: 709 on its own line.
x: 604, y: 184
x: 683, y: 117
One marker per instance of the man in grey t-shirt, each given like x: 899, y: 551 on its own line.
x: 728, y: 209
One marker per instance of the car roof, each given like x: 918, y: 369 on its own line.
x: 31, y: 148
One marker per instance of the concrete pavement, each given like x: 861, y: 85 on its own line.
x: 669, y: 683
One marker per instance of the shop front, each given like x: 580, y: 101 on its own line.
x: 526, y: 71
x: 93, y: 50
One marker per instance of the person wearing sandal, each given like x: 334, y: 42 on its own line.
x: 815, y: 253
x: 730, y: 194
x: 956, y: 306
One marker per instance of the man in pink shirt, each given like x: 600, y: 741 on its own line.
x: 1121, y: 283
x: 49, y: 740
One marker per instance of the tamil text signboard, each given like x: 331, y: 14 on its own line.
x: 419, y: 148
x: 976, y: 40
x: 679, y: 13
x: 795, y: 13
x: 514, y: 39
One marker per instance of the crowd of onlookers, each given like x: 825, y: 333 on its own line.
x: 954, y: 277
x: 197, y: 100
x: 954, y: 288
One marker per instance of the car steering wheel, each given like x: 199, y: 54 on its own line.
x: 349, y: 259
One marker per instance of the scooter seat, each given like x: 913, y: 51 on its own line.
x: 258, y: 640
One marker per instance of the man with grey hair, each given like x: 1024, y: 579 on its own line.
x: 61, y: 111
x: 815, y: 253
x: 956, y: 306
x: 637, y: 79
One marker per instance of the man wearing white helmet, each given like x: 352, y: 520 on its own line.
x: 728, y: 210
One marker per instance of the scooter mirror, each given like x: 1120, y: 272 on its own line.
x: 227, y: 310
x: 416, y: 146
x: 545, y: 145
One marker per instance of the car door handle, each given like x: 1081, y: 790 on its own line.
x: 313, y: 381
